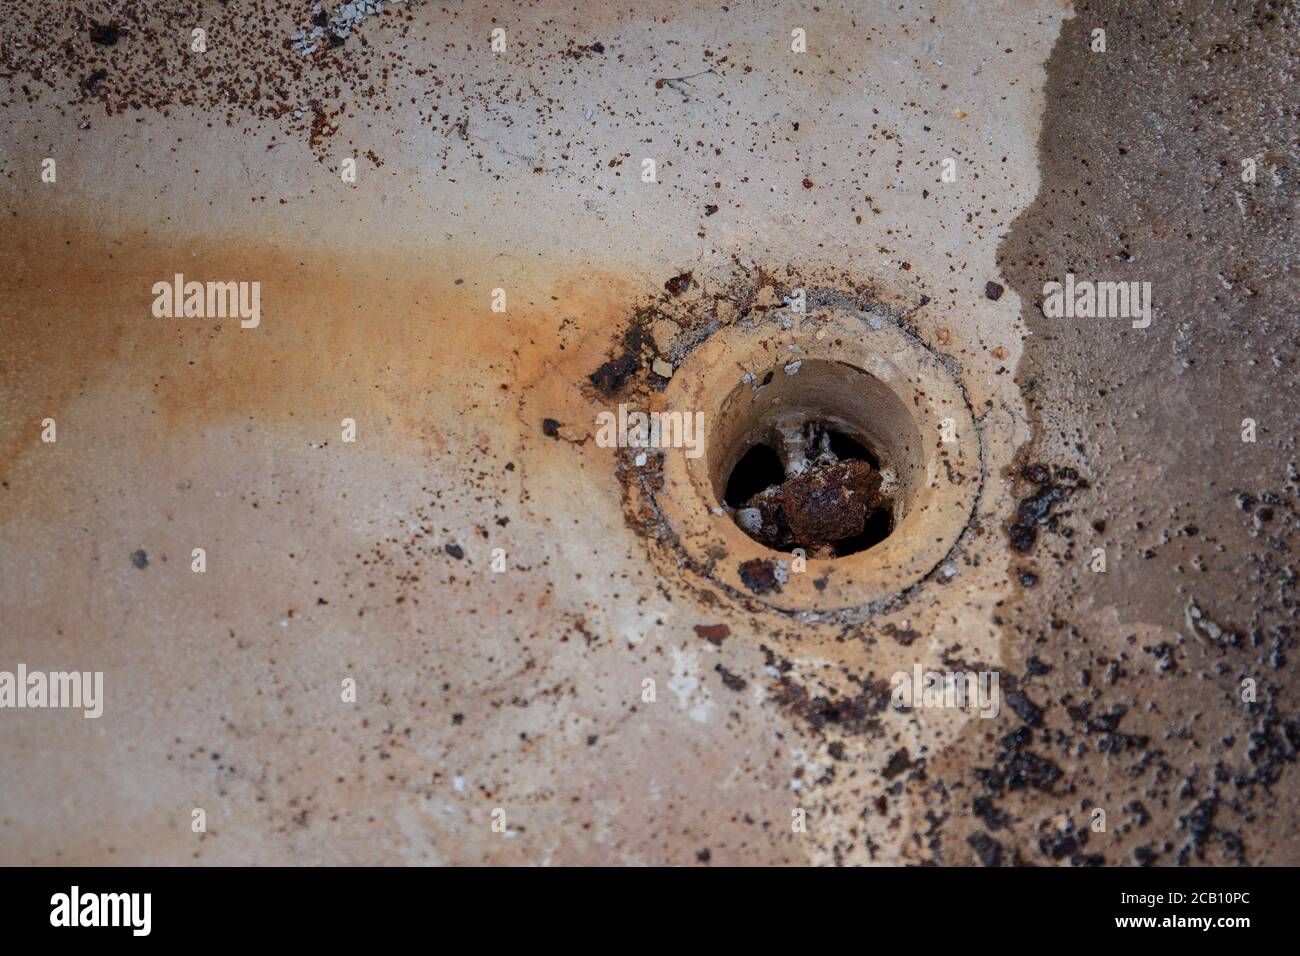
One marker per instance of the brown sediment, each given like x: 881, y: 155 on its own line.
x: 818, y: 507
x: 759, y: 575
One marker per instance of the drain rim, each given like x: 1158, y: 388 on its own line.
x: 946, y: 492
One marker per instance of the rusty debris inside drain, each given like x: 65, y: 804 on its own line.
x: 830, y: 501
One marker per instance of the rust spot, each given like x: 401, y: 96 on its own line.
x: 678, y: 284
x: 759, y: 575
x: 713, y: 633
x: 825, y: 504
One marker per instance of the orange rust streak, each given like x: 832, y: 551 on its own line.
x: 386, y: 333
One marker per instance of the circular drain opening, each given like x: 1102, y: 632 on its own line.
x: 813, y: 462
x: 840, y: 461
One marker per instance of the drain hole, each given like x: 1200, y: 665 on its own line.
x: 828, y: 496
x: 846, y: 447
x: 758, y: 469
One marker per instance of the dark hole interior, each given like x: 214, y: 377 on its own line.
x: 761, y: 468
x: 846, y: 447
x: 758, y: 468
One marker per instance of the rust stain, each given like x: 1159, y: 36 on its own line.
x: 382, y: 334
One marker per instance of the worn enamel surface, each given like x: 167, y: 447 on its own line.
x: 523, y: 690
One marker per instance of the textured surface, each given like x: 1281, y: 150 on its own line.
x: 523, y: 690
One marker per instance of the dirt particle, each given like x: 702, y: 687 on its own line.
x: 731, y: 681
x: 904, y: 635
x: 759, y: 575
x: 678, y: 284
x: 105, y: 34
x: 713, y: 633
x: 612, y: 375
x: 1055, y: 485
x: 140, y: 559
x: 986, y: 848
x: 897, y: 764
